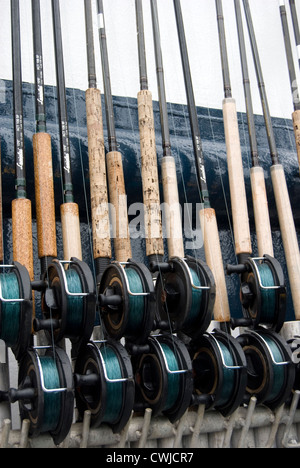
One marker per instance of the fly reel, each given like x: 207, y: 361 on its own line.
x: 104, y: 383
x: 263, y: 291
x: 185, y: 295
x: 45, y: 393
x: 163, y: 377
x: 126, y: 296
x: 68, y: 302
x: 219, y: 366
x: 15, y: 308
x: 270, y: 369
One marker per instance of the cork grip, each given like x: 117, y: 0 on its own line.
x: 296, y: 123
x: 172, y: 208
x: 22, y: 233
x: 288, y: 233
x: 118, y: 200
x: 151, y: 198
x: 97, y: 171
x: 261, y: 212
x: 44, y: 195
x: 71, y: 231
x: 214, y: 260
x: 236, y: 179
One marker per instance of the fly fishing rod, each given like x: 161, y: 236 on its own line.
x: 284, y: 210
x: 217, y: 347
x: 292, y: 75
x: 126, y: 291
x: 268, y: 356
x: 295, y: 26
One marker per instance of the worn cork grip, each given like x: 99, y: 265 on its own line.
x: 151, y: 198
x: 97, y: 171
x: 288, y: 233
x: 71, y: 231
x: 236, y: 179
x: 261, y: 212
x: 44, y: 195
x: 213, y: 256
x: 118, y: 200
x: 296, y: 123
x: 172, y: 208
x: 22, y: 233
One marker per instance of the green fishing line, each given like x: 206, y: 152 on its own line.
x: 268, y: 296
x: 52, y: 401
x: 173, y: 379
x: 228, y: 375
x: 75, y: 303
x: 114, y: 390
x: 196, y: 299
x: 10, y: 311
x: 136, y: 303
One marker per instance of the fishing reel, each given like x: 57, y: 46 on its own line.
x: 45, y: 392
x: 104, y: 383
x: 126, y: 297
x: 15, y: 308
x: 68, y: 302
x: 220, y: 375
x: 163, y: 377
x: 270, y: 368
x: 185, y: 295
x: 263, y: 291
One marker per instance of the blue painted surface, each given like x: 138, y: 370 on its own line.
x: 126, y: 119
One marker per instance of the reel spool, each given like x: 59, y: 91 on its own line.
x: 45, y: 392
x: 126, y: 296
x: 219, y: 367
x: 15, y: 308
x: 104, y: 384
x: 163, y: 377
x: 263, y: 292
x: 271, y: 371
x: 185, y: 295
x: 68, y: 302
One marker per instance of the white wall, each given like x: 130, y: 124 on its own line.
x: 202, y: 36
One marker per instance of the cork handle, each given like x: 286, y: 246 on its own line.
x: 97, y: 171
x: 236, y: 179
x: 172, y: 208
x: 151, y: 198
x: 71, y: 231
x: 214, y: 260
x: 296, y: 123
x: 44, y: 195
x: 22, y: 233
x: 118, y: 200
x: 261, y: 212
x: 288, y: 233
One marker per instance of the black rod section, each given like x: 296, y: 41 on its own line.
x: 20, y: 173
x: 90, y: 47
x: 295, y: 25
x: 38, y: 67
x: 290, y: 58
x: 197, y: 143
x: 166, y: 143
x: 141, y: 45
x: 261, y: 86
x: 223, y: 50
x: 246, y: 83
x: 62, y: 105
x: 111, y: 130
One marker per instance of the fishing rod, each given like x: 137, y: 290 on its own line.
x: 213, y: 346
x: 284, y: 210
x: 295, y: 25
x: 267, y: 354
x: 292, y: 75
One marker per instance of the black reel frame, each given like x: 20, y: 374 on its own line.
x: 151, y: 377
x: 26, y: 308
x: 260, y: 361
x: 91, y: 383
x: 208, y: 368
x: 55, y: 303
x: 114, y: 294
x: 174, y: 288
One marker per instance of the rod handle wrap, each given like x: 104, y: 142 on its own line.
x: 213, y: 256
x: 97, y: 171
x: 151, y: 198
x: 71, y: 231
x: 236, y: 179
x: 44, y: 195
x: 296, y: 123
